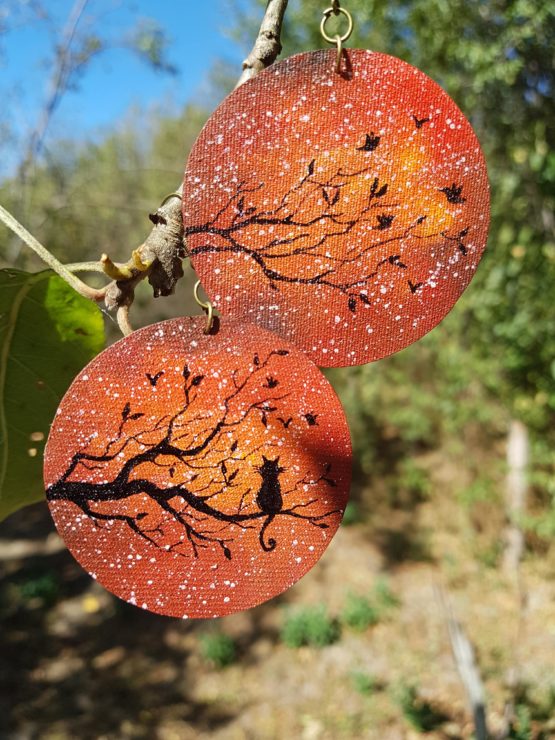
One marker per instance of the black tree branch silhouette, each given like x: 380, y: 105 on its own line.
x: 309, y: 219
x: 198, y: 457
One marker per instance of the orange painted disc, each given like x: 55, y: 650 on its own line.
x: 197, y: 475
x: 346, y: 212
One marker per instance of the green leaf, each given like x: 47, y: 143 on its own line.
x: 47, y: 334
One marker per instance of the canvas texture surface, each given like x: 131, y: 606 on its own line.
x: 197, y: 475
x: 346, y: 212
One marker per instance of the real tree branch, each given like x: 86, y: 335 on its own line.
x: 58, y: 84
x: 267, y: 46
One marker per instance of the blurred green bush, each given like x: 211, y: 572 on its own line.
x: 309, y: 626
x: 218, y: 649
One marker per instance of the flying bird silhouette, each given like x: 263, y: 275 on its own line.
x: 371, y: 143
x: 420, y: 121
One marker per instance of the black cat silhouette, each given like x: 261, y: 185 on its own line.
x: 269, y: 499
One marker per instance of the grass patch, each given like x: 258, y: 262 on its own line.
x: 385, y: 598
x: 363, y: 683
x: 521, y: 727
x: 361, y: 612
x: 534, y: 713
x: 418, y: 713
x: 218, y: 649
x: 41, y: 586
x: 310, y: 626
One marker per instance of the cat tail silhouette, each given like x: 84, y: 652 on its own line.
x: 271, y: 544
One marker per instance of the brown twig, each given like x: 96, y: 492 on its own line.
x: 57, y: 86
x: 267, y: 46
x: 124, y: 324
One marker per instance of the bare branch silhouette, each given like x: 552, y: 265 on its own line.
x: 197, y: 456
x: 342, y: 249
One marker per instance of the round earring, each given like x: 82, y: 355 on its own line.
x: 340, y: 200
x: 195, y: 474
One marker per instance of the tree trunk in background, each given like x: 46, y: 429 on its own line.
x: 516, y: 490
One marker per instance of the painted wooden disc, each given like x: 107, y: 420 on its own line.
x: 197, y: 475
x: 347, y: 213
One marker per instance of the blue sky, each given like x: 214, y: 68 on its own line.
x: 117, y: 79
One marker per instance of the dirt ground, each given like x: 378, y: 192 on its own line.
x: 78, y: 663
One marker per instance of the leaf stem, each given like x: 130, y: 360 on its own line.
x: 85, y: 290
x: 85, y: 267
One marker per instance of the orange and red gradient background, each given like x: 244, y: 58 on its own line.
x: 264, y: 137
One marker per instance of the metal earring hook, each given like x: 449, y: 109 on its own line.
x: 206, y: 306
x: 338, y: 39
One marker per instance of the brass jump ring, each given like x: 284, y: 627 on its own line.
x: 206, y: 306
x: 327, y: 15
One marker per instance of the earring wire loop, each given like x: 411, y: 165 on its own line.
x: 339, y: 43
x: 169, y: 197
x: 206, y: 306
